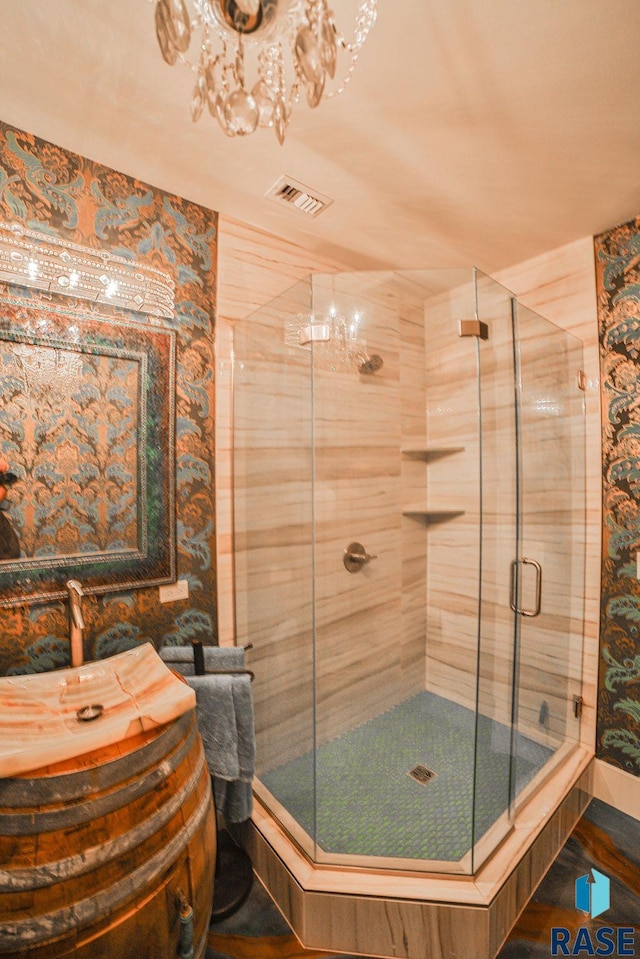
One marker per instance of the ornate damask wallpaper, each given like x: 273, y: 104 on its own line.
x: 80, y: 488
x: 58, y: 193
x: 87, y: 423
x: 618, y: 279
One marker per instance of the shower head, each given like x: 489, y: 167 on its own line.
x: 370, y: 364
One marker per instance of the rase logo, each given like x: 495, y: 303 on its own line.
x: 592, y: 893
x: 593, y: 898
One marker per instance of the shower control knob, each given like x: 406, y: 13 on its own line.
x: 355, y: 557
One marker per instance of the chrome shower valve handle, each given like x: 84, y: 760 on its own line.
x: 355, y: 557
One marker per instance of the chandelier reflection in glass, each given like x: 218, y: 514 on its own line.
x: 335, y: 339
x: 259, y: 57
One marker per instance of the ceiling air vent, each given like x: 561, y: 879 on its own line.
x: 300, y: 197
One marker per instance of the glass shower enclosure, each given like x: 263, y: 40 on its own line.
x: 409, y: 556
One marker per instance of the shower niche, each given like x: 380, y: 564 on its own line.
x: 419, y: 760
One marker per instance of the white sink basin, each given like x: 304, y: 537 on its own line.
x: 39, y: 720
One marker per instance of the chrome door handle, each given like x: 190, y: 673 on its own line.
x: 355, y: 557
x: 514, y: 599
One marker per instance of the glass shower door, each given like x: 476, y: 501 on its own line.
x: 409, y: 551
x: 396, y: 461
x: 532, y: 555
x: 548, y: 581
x: 356, y: 404
x: 494, y: 741
x: 273, y: 550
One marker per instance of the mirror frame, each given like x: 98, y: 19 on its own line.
x: 153, y: 348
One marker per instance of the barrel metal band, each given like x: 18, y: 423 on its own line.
x: 31, y: 823
x: 42, y: 790
x: 32, y: 931
x: 61, y: 870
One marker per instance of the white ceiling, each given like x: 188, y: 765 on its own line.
x: 474, y: 131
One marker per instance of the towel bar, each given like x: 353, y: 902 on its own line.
x: 215, y: 672
x: 224, y: 672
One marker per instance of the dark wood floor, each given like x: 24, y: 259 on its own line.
x: 604, y: 839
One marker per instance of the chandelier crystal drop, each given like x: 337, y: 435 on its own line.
x: 257, y: 58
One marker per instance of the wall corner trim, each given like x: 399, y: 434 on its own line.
x: 617, y: 788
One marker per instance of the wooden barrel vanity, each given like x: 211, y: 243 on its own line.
x: 110, y: 853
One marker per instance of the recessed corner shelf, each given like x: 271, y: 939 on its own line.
x: 431, y: 515
x: 424, y: 452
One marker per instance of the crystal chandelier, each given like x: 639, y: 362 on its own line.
x: 259, y: 57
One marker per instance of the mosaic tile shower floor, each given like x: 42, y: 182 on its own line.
x: 604, y: 838
x: 369, y: 805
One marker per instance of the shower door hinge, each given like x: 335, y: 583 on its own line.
x: 582, y: 380
x: 473, y: 328
x: 578, y: 703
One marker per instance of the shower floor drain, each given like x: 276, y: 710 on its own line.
x: 422, y: 774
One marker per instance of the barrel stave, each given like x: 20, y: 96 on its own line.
x: 107, y: 885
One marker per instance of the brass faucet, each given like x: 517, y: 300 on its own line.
x: 76, y: 621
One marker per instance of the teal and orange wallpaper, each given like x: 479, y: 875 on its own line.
x: 87, y: 425
x: 61, y: 194
x: 618, y: 282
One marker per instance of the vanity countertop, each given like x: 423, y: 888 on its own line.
x: 39, y: 713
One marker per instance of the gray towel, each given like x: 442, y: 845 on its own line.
x: 224, y: 709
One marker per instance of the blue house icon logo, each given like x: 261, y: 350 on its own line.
x: 592, y: 893
x: 592, y: 898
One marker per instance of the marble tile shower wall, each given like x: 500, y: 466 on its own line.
x: 357, y: 498
x: 304, y: 489
x: 413, y: 392
x: 553, y: 497
x: 452, y: 484
x: 273, y: 509
x: 370, y: 627
x: 256, y: 267
x: 61, y: 193
x: 470, y: 389
x: 560, y: 285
